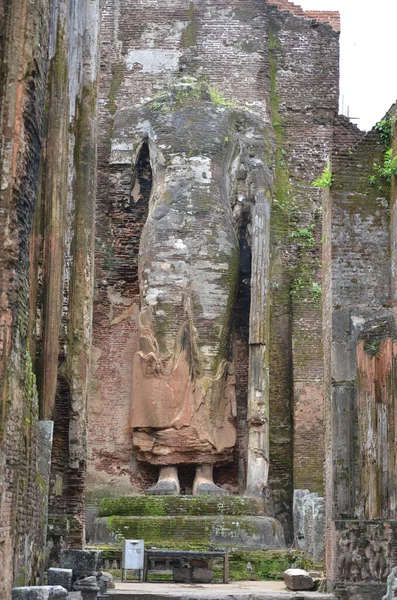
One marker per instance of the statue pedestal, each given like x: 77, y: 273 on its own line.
x: 199, y: 522
x: 255, y: 542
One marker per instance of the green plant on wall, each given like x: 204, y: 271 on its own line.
x: 305, y: 236
x: 387, y: 170
x: 305, y: 286
x: 384, y: 126
x: 383, y: 173
x: 217, y: 98
x: 188, y: 90
x: 325, y: 180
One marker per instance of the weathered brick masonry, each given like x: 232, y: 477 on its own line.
x: 25, y: 39
x: 323, y: 16
x: 305, y: 62
x: 47, y: 128
x: 360, y: 344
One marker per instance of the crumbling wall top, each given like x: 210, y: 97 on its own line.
x: 330, y: 17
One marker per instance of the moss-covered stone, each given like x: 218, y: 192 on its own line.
x: 189, y: 35
x: 115, y: 85
x: 192, y: 532
x: 63, y: 525
x: 180, y: 505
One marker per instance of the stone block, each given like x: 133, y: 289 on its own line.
x: 298, y: 580
x: 61, y: 577
x: 309, y: 523
x: 202, y: 575
x: 106, y: 582
x: 40, y: 592
x: 318, y: 535
x: 81, y: 561
x: 201, y: 564
x: 343, y: 361
x: 391, y: 585
x: 182, y: 574
x: 75, y: 596
x: 88, y: 587
x: 299, y: 521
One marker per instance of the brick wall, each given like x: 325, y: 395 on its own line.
x: 305, y: 59
x: 65, y: 396
x: 360, y: 344
x: 24, y: 68
x: 46, y: 211
x: 323, y: 16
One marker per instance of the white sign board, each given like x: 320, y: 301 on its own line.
x: 133, y: 551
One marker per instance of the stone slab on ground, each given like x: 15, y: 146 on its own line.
x: 298, y: 580
x: 182, y: 574
x: 40, y: 592
x: 106, y: 582
x: 239, y: 590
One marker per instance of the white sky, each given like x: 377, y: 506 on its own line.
x: 368, y: 42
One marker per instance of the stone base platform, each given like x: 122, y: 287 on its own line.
x: 198, y: 522
x: 204, y: 532
x: 239, y: 590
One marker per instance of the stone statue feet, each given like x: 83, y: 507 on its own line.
x: 204, y: 485
x: 209, y: 489
x: 167, y: 484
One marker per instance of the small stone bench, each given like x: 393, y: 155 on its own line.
x: 169, y: 555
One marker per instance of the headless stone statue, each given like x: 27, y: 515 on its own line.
x: 183, y: 397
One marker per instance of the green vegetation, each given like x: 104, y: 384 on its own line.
x: 283, y: 204
x: 325, y: 180
x: 372, y: 347
x: 387, y: 170
x: 384, y: 126
x: 304, y: 283
x: 188, y: 90
x: 383, y: 173
x: 219, y: 100
x: 305, y: 236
